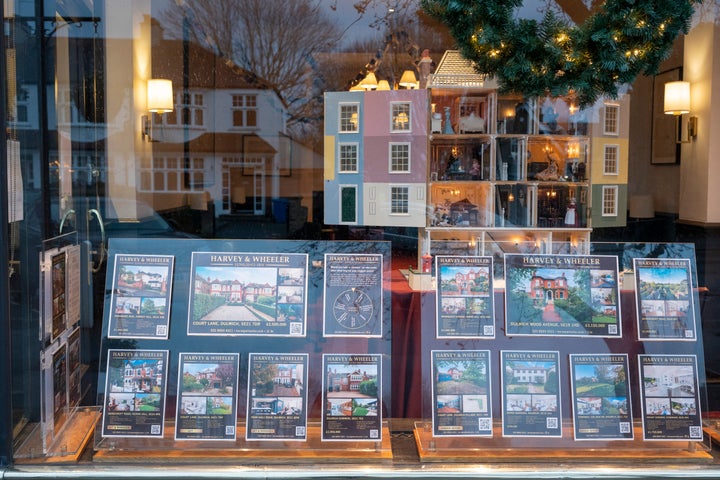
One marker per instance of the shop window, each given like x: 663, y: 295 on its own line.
x: 348, y: 158
x: 399, y: 158
x: 349, y: 115
x: 244, y: 110
x: 399, y: 200
x: 400, y: 114
x: 609, y: 201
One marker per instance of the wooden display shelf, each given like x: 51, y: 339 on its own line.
x: 498, y: 449
x: 155, y: 450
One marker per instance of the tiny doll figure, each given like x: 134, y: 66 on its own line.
x: 475, y: 169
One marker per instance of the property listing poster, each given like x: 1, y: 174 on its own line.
x: 562, y: 295
x: 207, y: 396
x: 601, y: 397
x: 74, y: 368
x: 353, y: 295
x: 530, y: 394
x: 248, y: 294
x: 135, y: 387
x: 465, y: 306
x: 277, y: 396
x: 462, y: 403
x: 352, y: 397
x: 141, y: 292
x: 670, y: 400
x: 664, y: 297
x: 59, y: 294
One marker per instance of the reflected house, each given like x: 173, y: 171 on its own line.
x: 225, y: 147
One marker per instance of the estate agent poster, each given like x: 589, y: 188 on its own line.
x: 248, y: 294
x: 562, y: 295
x: 664, y: 297
x: 464, y: 297
x: 670, y: 400
x: 601, y: 397
x: 277, y: 396
x: 59, y: 294
x: 135, y: 387
x: 206, y: 399
x: 462, y: 403
x: 141, y: 292
x: 352, y: 397
x: 353, y: 295
x: 74, y: 368
x: 530, y: 394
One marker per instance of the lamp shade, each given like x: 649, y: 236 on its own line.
x: 677, y: 98
x: 383, y: 85
x: 369, y: 82
x: 160, y: 95
x: 408, y: 79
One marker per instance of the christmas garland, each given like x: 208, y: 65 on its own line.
x: 611, y: 47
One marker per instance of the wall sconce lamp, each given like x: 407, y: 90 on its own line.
x: 159, y: 100
x: 677, y: 102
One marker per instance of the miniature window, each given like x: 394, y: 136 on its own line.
x: 399, y: 200
x: 610, y: 125
x: 610, y: 159
x: 400, y: 117
x: 349, y: 115
x: 348, y: 204
x: 348, y: 158
x: 244, y: 110
x: 399, y: 157
x: 609, y: 201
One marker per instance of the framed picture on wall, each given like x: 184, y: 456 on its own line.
x: 665, y: 149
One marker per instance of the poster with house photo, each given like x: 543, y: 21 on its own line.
x: 530, y: 394
x: 277, y: 396
x: 248, y: 294
x: 352, y: 397
x: 465, y: 302
x: 601, y: 397
x: 562, y: 295
x: 663, y: 290
x: 141, y: 293
x: 207, y: 396
x: 462, y: 401
x: 669, y: 397
x: 135, y: 386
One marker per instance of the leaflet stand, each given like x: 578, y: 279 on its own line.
x: 516, y: 393
x: 313, y: 377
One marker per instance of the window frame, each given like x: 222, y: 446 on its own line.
x: 611, y: 122
x: 614, y: 162
x: 340, y: 168
x: 610, y: 194
x: 402, y: 107
x: 403, y: 202
x: 343, y: 119
x: 392, y: 159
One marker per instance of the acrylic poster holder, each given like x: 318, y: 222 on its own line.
x: 325, y: 336
x: 495, y: 447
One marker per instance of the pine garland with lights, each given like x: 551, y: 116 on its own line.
x: 622, y: 39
